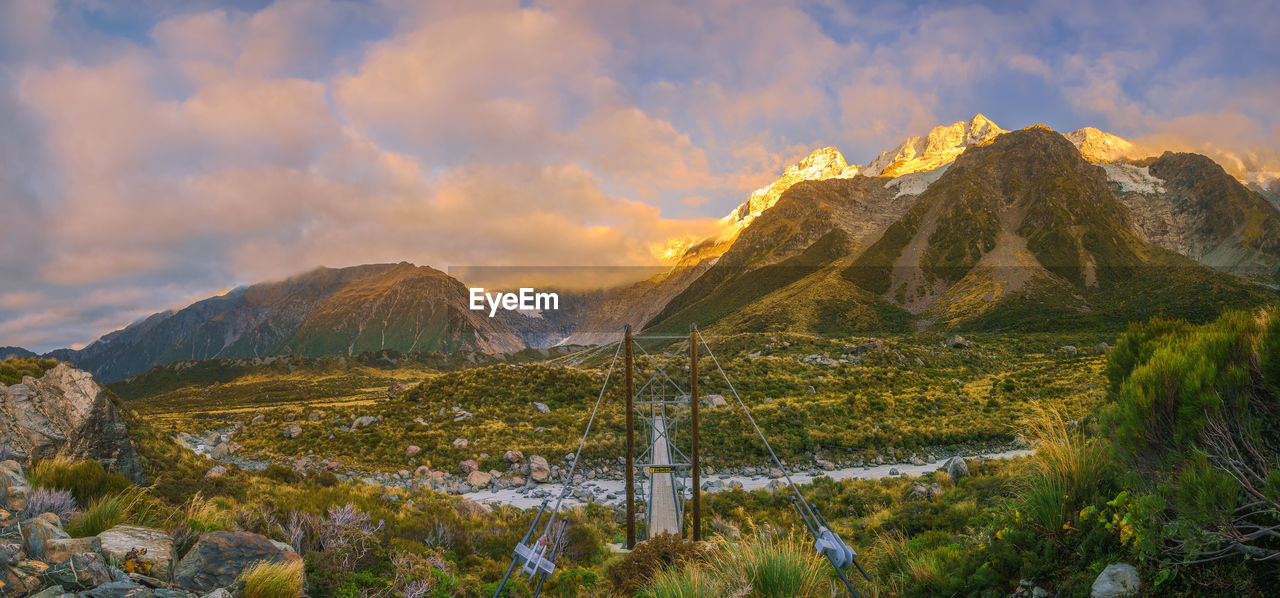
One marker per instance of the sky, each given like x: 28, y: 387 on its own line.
x: 153, y: 153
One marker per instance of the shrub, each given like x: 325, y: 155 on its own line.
x: 773, y: 568
x: 273, y: 580
x: 281, y: 474
x: 1068, y: 470
x: 85, y: 480
x: 692, y: 581
x: 13, y: 369
x: 630, y: 573
x: 58, y: 502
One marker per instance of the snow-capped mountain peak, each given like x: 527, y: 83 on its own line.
x: 825, y: 163
x: 940, y: 147
x: 1100, y: 146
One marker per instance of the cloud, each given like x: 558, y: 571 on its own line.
x: 191, y: 147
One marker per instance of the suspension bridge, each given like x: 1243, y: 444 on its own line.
x: 663, y: 407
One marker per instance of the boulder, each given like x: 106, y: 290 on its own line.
x: 39, y: 531
x: 216, y: 472
x: 471, y: 508
x: 363, y: 422
x: 541, y: 407
x: 10, y: 553
x: 463, y: 416
x: 539, y: 470
x: 513, y: 456
x: 714, y: 401
x: 479, y: 479
x: 460, y: 443
x: 24, y: 577
x: 1101, y: 348
x: 1069, y: 350
x: 66, y: 412
x: 258, y: 419
x: 119, y: 589
x: 825, y: 465
x: 956, y: 468
x: 57, y: 550
x: 291, y: 431
x: 469, y: 466
x: 218, y: 558
x: 150, y: 549
x: 15, y: 497
x: 82, y: 571
x: 1116, y: 580
x: 412, y: 450
x: 958, y: 342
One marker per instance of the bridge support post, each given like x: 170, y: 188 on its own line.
x: 693, y: 424
x: 631, y: 443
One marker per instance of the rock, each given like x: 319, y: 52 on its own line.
x: 1069, y: 350
x: 82, y: 571
x: 258, y: 419
x: 956, y: 468
x: 712, y: 401
x: 397, y: 389
x: 363, y: 422
x: 216, y: 472
x: 1116, y: 580
x: 513, y: 456
x: 917, y: 461
x: 39, y: 531
x: 541, y: 407
x: 825, y: 465
x: 16, y: 497
x: 119, y: 589
x: 223, y: 450
x: 893, y: 471
x: 460, y: 443
x: 775, y: 473
x: 218, y: 593
x: 10, y: 553
x: 291, y: 431
x: 412, y: 450
x: 471, y: 508
x: 52, y: 592
x: 812, y: 391
x: 1039, y: 592
x: 469, y: 466
x: 539, y: 470
x: 151, y: 549
x: 463, y: 416
x: 315, y: 416
x: 479, y: 479
x: 66, y: 412
x: 57, y: 550
x: 958, y: 342
x: 1101, y: 348
x: 218, y: 558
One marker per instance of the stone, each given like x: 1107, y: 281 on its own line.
x: 541, y: 407
x: 119, y: 589
x: 57, y: 550
x: 153, y: 547
x: 412, y: 450
x: 216, y: 472
x: 218, y: 593
x: 363, y: 422
x: 16, y: 497
x: 218, y: 558
x: 291, y: 431
x: 463, y: 416
x: 775, y: 473
x: 39, y: 531
x: 471, y: 508
x: 82, y: 571
x: 1039, y: 592
x: 66, y: 412
x: 539, y: 469
x: 893, y: 471
x: 258, y: 419
x: 917, y: 461
x: 460, y: 443
x: 956, y: 468
x: 825, y: 465
x: 52, y: 592
x: 711, y: 401
x: 1101, y: 348
x: 469, y: 466
x: 1116, y: 580
x: 479, y: 479
x: 958, y: 342
x: 513, y: 456
x: 1069, y: 350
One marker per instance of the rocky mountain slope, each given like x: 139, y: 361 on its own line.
x: 66, y: 412
x: 325, y: 311
x: 1024, y: 231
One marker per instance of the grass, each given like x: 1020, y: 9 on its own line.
x: 274, y: 580
x: 690, y: 582
x: 1065, y: 471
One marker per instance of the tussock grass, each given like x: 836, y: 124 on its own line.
x: 1064, y: 472
x: 760, y: 566
x: 274, y: 580
x: 692, y: 582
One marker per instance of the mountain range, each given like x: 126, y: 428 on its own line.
x: 970, y: 226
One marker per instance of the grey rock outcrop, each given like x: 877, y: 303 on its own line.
x: 67, y: 412
x: 1115, y: 581
x: 218, y: 558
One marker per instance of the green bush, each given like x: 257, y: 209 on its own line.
x: 633, y: 571
x: 85, y: 480
x: 12, y: 370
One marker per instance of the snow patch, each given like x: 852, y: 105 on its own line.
x: 916, y: 182
x: 1133, y: 178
